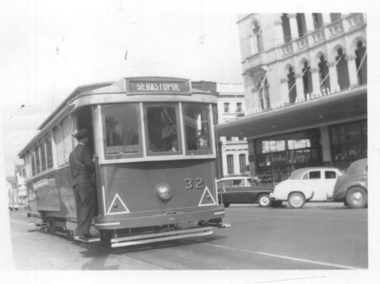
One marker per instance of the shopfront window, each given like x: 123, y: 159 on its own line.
x: 277, y: 157
x: 349, y: 143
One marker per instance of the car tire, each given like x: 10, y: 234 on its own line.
x: 357, y: 197
x: 264, y: 200
x: 226, y: 204
x: 296, y: 200
x: 276, y: 203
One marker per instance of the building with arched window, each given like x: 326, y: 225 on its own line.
x: 234, y: 149
x: 305, y: 91
x: 232, y: 158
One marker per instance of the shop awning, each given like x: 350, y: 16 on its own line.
x: 334, y: 108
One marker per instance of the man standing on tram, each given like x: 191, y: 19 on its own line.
x: 82, y: 169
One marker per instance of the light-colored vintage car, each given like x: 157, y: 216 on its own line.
x: 307, y: 184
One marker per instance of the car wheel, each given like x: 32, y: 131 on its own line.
x: 264, y: 200
x: 296, y: 200
x: 276, y: 203
x: 357, y: 197
x: 227, y: 204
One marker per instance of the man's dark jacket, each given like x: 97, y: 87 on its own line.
x: 82, y: 167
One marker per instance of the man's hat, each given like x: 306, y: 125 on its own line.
x: 80, y: 134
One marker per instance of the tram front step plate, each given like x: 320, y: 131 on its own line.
x: 159, y: 237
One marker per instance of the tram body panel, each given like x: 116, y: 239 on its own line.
x: 45, y: 194
x: 53, y: 193
x: 66, y: 192
x: 135, y: 185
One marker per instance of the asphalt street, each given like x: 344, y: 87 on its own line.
x: 317, y: 237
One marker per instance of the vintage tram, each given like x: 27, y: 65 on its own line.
x: 155, y: 148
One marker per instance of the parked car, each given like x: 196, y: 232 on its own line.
x: 307, y: 184
x: 352, y: 186
x: 244, y: 190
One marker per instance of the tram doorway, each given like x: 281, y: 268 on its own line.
x: 84, y: 120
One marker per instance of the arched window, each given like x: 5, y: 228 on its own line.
x: 335, y: 17
x: 292, y: 89
x: 230, y: 164
x: 286, y: 28
x: 242, y: 162
x: 361, y: 63
x: 258, y: 36
x: 324, y: 79
x: 301, y: 24
x: 263, y: 91
x: 342, y: 70
x: 317, y: 20
x: 306, y: 79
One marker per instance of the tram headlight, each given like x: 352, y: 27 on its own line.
x: 163, y: 192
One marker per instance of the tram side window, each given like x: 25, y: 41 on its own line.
x: 58, y: 137
x: 28, y: 169
x: 162, y: 127
x: 33, y: 162
x: 37, y: 156
x: 49, y: 151
x: 43, y: 156
x: 197, y: 128
x: 122, y: 129
x: 68, y: 142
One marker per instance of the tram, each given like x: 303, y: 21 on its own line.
x: 155, y: 148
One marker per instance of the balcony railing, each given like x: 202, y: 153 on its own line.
x: 326, y: 32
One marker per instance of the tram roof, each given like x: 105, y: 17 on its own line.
x: 334, y: 108
x: 111, y: 87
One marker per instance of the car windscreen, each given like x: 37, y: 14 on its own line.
x: 357, y: 167
x: 296, y: 174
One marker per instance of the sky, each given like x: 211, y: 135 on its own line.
x: 48, y: 48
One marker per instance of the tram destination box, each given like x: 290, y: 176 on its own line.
x: 158, y: 86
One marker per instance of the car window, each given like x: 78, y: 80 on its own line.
x: 330, y: 174
x: 305, y: 176
x: 315, y: 174
x: 237, y: 182
x: 226, y: 183
x: 250, y: 182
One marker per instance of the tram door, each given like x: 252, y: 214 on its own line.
x: 84, y: 120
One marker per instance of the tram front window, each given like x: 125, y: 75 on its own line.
x: 197, y: 127
x: 162, y: 127
x: 122, y: 129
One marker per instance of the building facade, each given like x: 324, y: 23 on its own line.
x: 305, y: 87
x: 231, y: 106
x: 233, y: 150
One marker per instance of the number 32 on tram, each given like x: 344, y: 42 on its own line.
x: 155, y: 149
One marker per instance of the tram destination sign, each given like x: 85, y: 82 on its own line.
x: 157, y: 86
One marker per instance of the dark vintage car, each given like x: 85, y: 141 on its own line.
x: 244, y: 190
x: 352, y: 186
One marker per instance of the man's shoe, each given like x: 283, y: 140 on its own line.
x: 81, y: 236
x: 88, y: 236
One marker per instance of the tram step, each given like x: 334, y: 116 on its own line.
x: 92, y: 240
x: 159, y: 237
